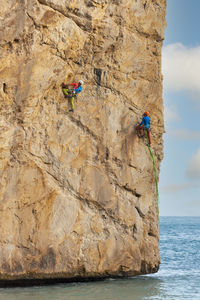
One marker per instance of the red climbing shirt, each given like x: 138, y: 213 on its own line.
x: 75, y: 85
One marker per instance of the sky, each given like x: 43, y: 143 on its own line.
x: 179, y: 185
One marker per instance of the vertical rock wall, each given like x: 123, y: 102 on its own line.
x: 78, y: 196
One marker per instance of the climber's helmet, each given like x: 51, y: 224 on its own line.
x: 80, y: 82
x: 146, y: 113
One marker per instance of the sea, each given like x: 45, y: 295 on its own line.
x: 177, y: 279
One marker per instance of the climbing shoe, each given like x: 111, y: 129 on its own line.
x: 71, y: 110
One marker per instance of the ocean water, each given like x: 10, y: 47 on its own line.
x: 177, y: 279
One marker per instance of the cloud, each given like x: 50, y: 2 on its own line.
x: 181, y: 68
x: 185, y: 134
x: 193, y: 169
x: 171, y: 114
x: 174, y: 188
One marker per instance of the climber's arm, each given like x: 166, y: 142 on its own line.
x: 142, y: 123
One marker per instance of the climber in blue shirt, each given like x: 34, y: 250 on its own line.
x: 145, y: 124
x: 79, y: 89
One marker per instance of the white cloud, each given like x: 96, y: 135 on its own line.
x: 171, y: 113
x: 174, y: 188
x: 185, y: 134
x: 181, y: 68
x: 193, y: 170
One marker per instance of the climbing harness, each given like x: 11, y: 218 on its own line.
x: 155, y: 173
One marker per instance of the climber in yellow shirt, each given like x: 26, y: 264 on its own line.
x: 71, y: 94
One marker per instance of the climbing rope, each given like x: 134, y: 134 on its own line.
x: 155, y: 172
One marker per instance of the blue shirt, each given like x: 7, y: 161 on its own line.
x: 78, y: 90
x: 146, y: 122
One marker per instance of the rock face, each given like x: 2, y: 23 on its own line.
x: 78, y: 196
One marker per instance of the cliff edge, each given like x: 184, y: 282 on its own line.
x: 78, y: 195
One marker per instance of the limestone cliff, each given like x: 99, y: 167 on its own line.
x: 78, y: 195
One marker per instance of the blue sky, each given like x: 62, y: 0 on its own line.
x: 180, y: 170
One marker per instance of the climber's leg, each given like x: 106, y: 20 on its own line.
x: 65, y: 91
x: 149, y: 136
x: 72, y: 103
x: 139, y: 130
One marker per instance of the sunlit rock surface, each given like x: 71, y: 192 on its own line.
x: 78, y: 196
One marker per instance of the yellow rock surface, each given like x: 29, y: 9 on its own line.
x: 78, y: 196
